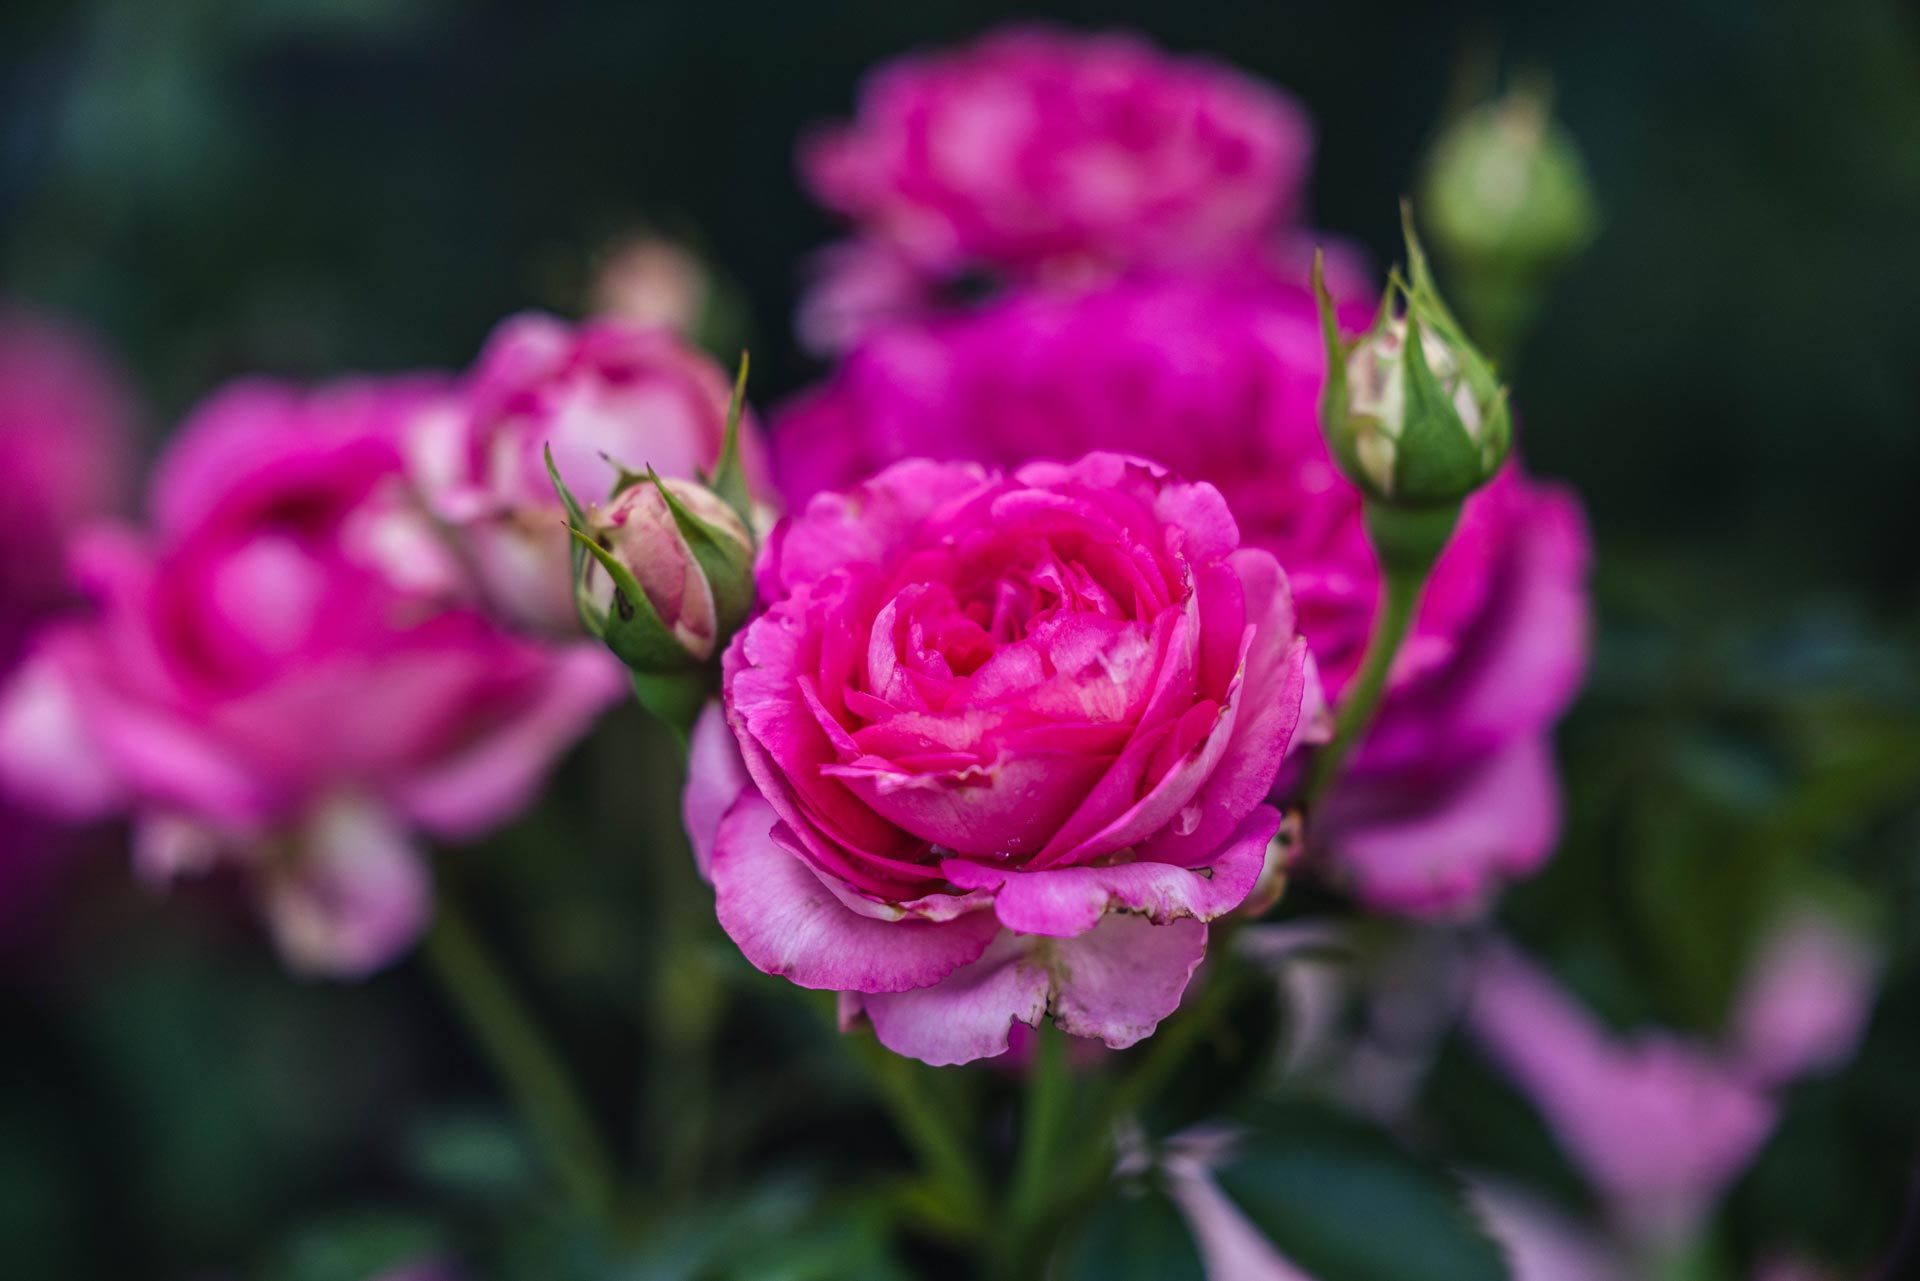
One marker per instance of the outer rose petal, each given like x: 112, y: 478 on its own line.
x: 1115, y: 983
x: 715, y: 778
x: 357, y: 896
x: 788, y: 923
x: 970, y: 1015
x: 497, y: 776
x: 1069, y: 901
x: 1441, y: 846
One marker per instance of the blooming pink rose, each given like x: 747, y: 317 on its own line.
x: 1660, y: 1125
x: 1039, y: 150
x: 282, y: 675
x: 599, y: 394
x: 65, y: 457
x: 1008, y: 739
x: 1455, y: 788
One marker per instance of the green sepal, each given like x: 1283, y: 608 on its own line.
x: 729, y: 479
x: 591, y: 616
x: 631, y: 629
x: 727, y: 565
x: 1435, y: 459
x: 1333, y: 394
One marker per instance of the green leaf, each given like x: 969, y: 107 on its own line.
x: 1343, y: 1201
x: 1136, y: 1233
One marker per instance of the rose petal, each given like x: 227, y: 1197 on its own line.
x: 790, y: 924
x: 1069, y: 901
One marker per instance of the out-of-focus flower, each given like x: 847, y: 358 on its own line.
x: 1009, y: 738
x: 66, y: 451
x: 65, y: 458
x: 602, y: 395
x: 1454, y: 789
x: 1505, y: 189
x: 689, y: 553
x: 1543, y: 1243
x: 1660, y: 1125
x: 1048, y: 158
x: 651, y: 282
x: 282, y: 674
x: 1805, y: 1001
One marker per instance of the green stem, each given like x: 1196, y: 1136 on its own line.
x: 928, y: 1127
x: 526, y: 1064
x: 1044, y: 1123
x: 1407, y: 543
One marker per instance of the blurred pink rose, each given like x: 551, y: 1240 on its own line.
x: 599, y: 394
x: 1661, y: 1126
x: 1806, y: 999
x: 1043, y: 156
x: 1455, y: 789
x: 66, y: 456
x: 1008, y: 739
x: 1035, y: 150
x: 281, y: 675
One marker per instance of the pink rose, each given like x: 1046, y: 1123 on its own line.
x: 283, y: 675
x: 1455, y: 789
x: 1008, y: 740
x: 66, y: 451
x: 599, y: 394
x: 1039, y: 150
x: 1047, y: 158
x: 1660, y: 1125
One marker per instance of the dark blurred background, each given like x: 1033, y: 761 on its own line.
x: 1731, y: 375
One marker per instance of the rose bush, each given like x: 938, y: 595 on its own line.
x: 598, y: 394
x: 1454, y: 789
x: 1007, y: 742
x: 286, y: 674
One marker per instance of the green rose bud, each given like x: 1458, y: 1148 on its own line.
x: 1505, y: 189
x: 1412, y: 411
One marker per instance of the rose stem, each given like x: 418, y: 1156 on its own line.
x: 548, y: 1103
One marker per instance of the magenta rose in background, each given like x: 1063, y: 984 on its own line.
x: 1008, y: 740
x: 1040, y: 155
x: 66, y: 456
x: 598, y: 391
x: 1455, y: 789
x: 284, y: 674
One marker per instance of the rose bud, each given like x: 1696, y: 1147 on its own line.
x: 1505, y: 189
x: 1412, y: 411
x: 690, y: 556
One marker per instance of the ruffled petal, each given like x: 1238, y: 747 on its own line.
x: 788, y: 923
x: 1069, y: 901
x: 970, y: 1015
x: 1116, y: 982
